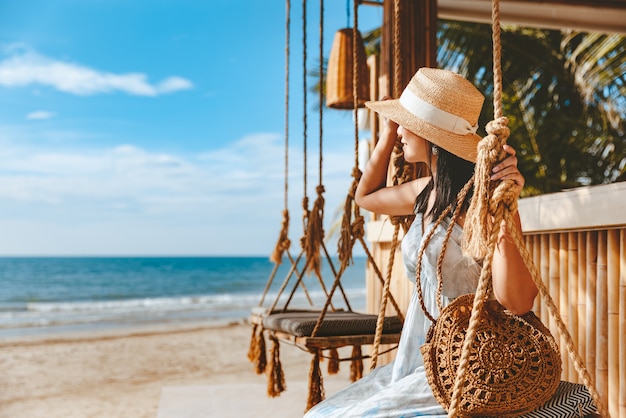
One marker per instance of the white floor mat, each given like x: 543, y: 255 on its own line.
x: 236, y: 400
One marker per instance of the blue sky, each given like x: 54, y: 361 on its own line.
x: 156, y: 127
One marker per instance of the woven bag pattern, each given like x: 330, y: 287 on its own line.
x: 515, y: 365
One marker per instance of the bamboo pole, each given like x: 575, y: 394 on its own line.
x: 582, y: 296
x: 622, y: 325
x: 555, y: 292
x: 534, y: 243
x: 564, y: 298
x: 572, y: 305
x: 590, y: 301
x: 602, y: 322
x: 613, y: 320
x: 545, y: 274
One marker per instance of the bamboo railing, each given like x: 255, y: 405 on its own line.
x: 578, y: 242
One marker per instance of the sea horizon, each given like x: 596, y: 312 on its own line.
x: 43, y: 295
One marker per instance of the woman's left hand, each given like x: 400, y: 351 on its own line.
x: 507, y: 169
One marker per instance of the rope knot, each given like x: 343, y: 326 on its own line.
x: 490, y: 147
x: 486, y: 202
x: 358, y: 229
x: 283, y: 242
x: 499, y: 127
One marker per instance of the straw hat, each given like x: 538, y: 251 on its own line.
x: 441, y: 107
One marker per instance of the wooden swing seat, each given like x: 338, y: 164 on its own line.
x: 338, y: 328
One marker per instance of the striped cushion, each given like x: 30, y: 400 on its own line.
x: 571, y: 400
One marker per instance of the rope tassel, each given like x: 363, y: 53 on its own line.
x: 356, y: 366
x: 276, y: 378
x: 316, y: 382
x: 333, y: 362
x: 315, y: 233
x: 252, y: 349
x: 256, y: 351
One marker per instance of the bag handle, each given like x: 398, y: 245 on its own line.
x: 418, y: 270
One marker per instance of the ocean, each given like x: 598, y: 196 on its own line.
x: 46, y: 295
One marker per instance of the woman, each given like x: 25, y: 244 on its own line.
x: 435, y: 119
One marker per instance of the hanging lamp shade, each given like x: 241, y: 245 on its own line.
x: 339, y: 76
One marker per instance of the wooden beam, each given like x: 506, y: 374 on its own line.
x: 583, y: 208
x: 325, y: 343
x: 586, y: 16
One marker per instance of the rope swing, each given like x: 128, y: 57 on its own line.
x: 489, y: 207
x: 327, y: 329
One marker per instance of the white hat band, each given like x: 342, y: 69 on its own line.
x: 435, y: 116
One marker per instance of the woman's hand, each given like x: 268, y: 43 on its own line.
x: 389, y: 126
x: 507, y: 169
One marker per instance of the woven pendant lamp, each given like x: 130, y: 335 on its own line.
x: 339, y: 92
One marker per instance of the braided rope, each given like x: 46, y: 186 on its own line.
x: 455, y: 215
x: 378, y: 274
x: 346, y: 239
x: 287, y: 68
x: 418, y: 267
x: 397, y: 56
x: 305, y: 198
x: 482, y: 293
x: 418, y: 271
x: 355, y: 79
x: 315, y: 233
x: 396, y: 221
x: 380, y: 320
x: 321, y: 91
x: 283, y: 243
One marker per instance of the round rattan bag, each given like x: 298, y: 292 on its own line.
x: 515, y: 365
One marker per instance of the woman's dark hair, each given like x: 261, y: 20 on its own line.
x: 452, y: 174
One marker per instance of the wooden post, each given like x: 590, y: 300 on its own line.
x: 582, y: 296
x: 555, y: 292
x: 622, y: 325
x: 417, y: 28
x: 602, y: 311
x: 545, y: 275
x: 572, y: 315
x: 564, y: 301
x: 534, y: 243
x: 613, y: 261
x: 592, y: 272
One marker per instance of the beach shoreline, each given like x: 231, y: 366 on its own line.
x: 123, y: 372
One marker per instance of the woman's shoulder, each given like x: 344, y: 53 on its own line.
x: 421, y: 183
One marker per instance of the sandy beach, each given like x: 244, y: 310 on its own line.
x: 200, y: 370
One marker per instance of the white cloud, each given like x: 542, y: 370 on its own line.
x: 173, y: 84
x: 130, y: 200
x: 24, y: 67
x: 40, y: 115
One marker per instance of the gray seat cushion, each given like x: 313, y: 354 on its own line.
x: 302, y: 323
